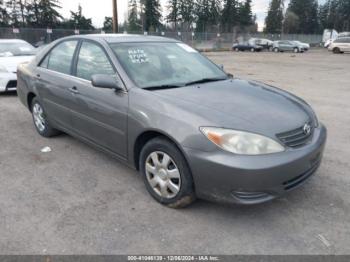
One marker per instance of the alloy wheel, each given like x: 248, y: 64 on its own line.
x: 163, y: 175
x: 39, y: 119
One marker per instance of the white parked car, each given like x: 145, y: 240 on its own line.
x: 12, y: 53
x: 305, y: 46
x: 340, y: 45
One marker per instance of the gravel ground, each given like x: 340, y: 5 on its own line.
x: 76, y: 200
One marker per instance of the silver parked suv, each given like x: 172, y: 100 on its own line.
x: 287, y: 46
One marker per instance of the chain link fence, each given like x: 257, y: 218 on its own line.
x: 201, y: 41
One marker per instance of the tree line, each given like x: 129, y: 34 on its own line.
x: 40, y: 14
x: 227, y: 16
x: 189, y: 15
x: 307, y: 16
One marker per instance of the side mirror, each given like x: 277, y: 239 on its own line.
x: 106, y: 81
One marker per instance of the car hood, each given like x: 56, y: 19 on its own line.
x: 11, y: 63
x: 242, y: 105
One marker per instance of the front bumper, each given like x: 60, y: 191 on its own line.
x: 8, y: 82
x: 225, y: 177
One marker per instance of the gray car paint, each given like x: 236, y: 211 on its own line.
x: 115, y: 121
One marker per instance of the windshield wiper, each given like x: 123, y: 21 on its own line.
x: 206, y: 80
x: 163, y: 87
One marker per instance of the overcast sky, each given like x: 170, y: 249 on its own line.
x: 98, y: 9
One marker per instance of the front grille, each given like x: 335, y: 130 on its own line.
x: 12, y: 84
x: 297, y: 137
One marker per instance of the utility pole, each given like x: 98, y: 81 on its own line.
x: 115, y: 16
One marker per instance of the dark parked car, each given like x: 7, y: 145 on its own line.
x: 161, y: 107
x: 246, y: 47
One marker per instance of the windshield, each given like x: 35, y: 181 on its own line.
x: 165, y: 64
x: 16, y: 49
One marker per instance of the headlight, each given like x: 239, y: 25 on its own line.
x: 3, y: 69
x: 241, y: 143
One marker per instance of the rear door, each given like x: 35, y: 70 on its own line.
x: 99, y: 115
x: 52, y: 80
x: 287, y: 46
x: 346, y: 44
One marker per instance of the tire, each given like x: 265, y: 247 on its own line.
x: 175, y: 189
x: 252, y: 50
x: 236, y: 49
x: 296, y: 50
x: 40, y: 120
x: 276, y: 50
x: 336, y: 50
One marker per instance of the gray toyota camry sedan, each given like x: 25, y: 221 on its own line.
x: 161, y: 107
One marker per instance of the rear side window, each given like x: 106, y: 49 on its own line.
x: 60, y: 58
x: 93, y: 60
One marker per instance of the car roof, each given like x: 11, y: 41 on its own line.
x: 125, y: 38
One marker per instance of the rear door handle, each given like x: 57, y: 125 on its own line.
x: 74, y: 90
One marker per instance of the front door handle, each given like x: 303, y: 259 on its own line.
x: 74, y: 90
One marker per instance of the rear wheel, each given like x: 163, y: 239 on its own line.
x: 336, y: 50
x: 252, y: 50
x: 276, y: 50
x: 166, y: 174
x: 40, y: 120
x: 296, y: 50
x: 236, y: 49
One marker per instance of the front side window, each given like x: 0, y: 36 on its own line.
x: 151, y: 64
x: 93, y: 60
x: 61, y: 57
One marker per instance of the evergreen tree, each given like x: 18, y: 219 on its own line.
x: 274, y: 19
x: 32, y: 13
x: 307, y: 13
x: 214, y: 13
x: 229, y: 16
x: 4, y: 16
x: 245, y: 13
x: 152, y: 15
x: 108, y: 24
x: 174, y: 12
x: 202, y: 14
x: 335, y: 14
x: 186, y: 12
x: 208, y: 14
x: 291, y: 23
x: 79, y: 21
x: 14, y: 13
x: 133, y: 20
x: 49, y: 16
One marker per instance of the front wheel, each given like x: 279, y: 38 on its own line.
x: 40, y: 120
x: 276, y: 50
x: 296, y: 50
x: 166, y: 174
x: 252, y: 50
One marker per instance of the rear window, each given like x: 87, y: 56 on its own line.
x: 60, y: 58
x: 14, y: 48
